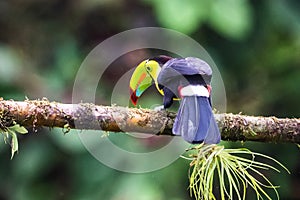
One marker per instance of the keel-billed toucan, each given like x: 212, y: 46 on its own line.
x: 186, y: 78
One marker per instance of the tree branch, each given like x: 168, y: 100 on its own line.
x: 120, y: 119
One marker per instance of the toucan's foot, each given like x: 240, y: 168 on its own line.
x: 159, y: 108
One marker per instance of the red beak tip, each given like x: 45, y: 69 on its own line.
x: 133, y: 98
x: 133, y: 102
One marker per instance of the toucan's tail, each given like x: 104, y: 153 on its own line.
x: 195, y: 121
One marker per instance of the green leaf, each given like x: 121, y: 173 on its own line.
x: 18, y: 128
x: 5, y: 136
x: 14, y: 143
x: 12, y: 132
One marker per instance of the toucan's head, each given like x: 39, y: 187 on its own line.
x: 145, y: 75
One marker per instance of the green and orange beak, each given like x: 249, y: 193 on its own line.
x: 139, y: 82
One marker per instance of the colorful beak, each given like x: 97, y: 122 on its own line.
x: 139, y: 82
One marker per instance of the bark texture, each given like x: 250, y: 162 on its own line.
x: 233, y: 127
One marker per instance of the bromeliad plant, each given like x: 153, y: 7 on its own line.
x: 231, y: 169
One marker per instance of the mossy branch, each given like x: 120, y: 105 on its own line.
x: 120, y: 119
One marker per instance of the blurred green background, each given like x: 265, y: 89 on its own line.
x: 255, y: 44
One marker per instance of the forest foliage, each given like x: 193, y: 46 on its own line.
x: 255, y: 44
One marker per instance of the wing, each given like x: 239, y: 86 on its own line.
x: 190, y: 66
x: 178, y: 71
x: 185, y: 66
x: 178, y: 68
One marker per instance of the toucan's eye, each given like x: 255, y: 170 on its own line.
x: 148, y: 68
